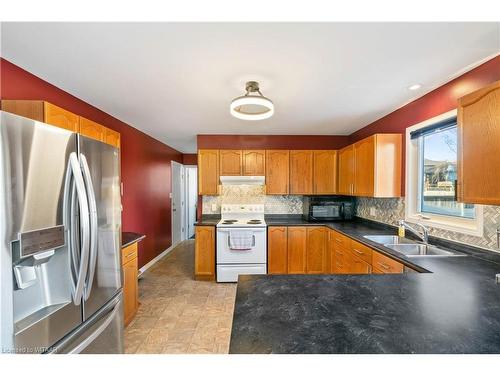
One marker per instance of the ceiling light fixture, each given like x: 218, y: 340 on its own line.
x: 252, y: 107
x: 414, y: 87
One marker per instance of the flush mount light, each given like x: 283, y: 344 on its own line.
x: 252, y: 107
x: 414, y: 87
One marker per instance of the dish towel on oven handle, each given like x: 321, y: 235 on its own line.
x: 241, y: 239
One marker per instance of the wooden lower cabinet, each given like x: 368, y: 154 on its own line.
x: 316, y: 253
x: 277, y: 250
x: 130, y: 284
x: 204, y: 253
x: 297, y: 245
x: 320, y: 250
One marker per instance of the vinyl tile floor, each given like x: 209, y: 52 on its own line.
x: 179, y: 315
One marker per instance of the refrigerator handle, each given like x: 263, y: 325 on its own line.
x: 68, y: 217
x: 93, y: 225
x: 84, y: 223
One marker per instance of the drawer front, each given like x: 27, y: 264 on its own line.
x: 361, y: 251
x: 386, y: 264
x: 129, y: 253
x: 359, y: 266
x: 341, y: 261
x: 341, y: 240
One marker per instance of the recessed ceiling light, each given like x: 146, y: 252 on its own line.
x: 252, y: 107
x: 414, y: 87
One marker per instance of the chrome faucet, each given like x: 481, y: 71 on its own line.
x: 423, y: 235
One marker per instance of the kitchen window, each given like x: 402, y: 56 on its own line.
x: 432, y: 175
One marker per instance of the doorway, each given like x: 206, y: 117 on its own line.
x: 178, y: 205
x: 191, y: 194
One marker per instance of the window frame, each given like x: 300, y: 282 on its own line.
x: 414, y: 170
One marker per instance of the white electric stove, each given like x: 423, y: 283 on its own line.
x: 248, y: 255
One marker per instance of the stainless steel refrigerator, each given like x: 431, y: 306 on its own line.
x: 60, y: 233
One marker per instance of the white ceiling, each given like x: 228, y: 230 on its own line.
x: 176, y: 80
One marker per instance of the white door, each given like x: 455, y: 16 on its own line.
x: 177, y: 202
x: 191, y: 173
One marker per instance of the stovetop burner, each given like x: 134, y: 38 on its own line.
x: 229, y: 221
x: 254, y: 222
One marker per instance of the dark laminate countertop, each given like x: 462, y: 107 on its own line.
x: 453, y: 308
x: 208, y: 220
x: 128, y: 238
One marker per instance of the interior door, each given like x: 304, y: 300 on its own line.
x: 104, y: 276
x: 191, y: 199
x: 177, y: 203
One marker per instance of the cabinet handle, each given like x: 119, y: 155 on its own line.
x: 385, y: 266
x: 359, y: 252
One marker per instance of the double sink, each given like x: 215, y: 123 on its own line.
x: 410, y: 248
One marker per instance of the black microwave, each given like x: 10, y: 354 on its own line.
x: 328, y: 208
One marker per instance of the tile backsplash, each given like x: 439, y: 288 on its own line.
x: 390, y: 210
x: 251, y: 194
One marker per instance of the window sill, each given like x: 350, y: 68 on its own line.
x: 458, y: 225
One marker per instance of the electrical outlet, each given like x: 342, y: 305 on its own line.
x: 214, y: 207
x: 373, y: 211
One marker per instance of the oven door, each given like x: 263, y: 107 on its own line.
x: 327, y: 211
x: 255, y: 254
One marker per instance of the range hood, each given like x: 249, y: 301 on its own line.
x: 242, y: 180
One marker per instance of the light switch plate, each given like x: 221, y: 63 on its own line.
x: 373, y: 211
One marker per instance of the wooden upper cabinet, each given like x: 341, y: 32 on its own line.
x: 208, y: 172
x: 112, y: 138
x: 377, y: 169
x: 301, y: 172
x: 297, y: 247
x: 346, y: 170
x: 230, y: 162
x: 325, y: 171
x: 204, y: 253
x: 479, y: 146
x: 254, y: 162
x: 277, y: 171
x: 364, y: 167
x: 92, y: 129
x: 317, y: 261
x: 44, y: 112
x: 277, y: 250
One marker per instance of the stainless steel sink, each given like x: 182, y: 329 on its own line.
x: 418, y: 250
x: 410, y: 248
x: 383, y: 240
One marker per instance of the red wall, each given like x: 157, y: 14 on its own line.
x: 145, y: 162
x: 441, y: 100
x: 292, y: 142
x: 190, y: 159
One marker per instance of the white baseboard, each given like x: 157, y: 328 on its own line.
x: 156, y: 259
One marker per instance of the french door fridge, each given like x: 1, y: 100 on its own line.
x: 60, y: 233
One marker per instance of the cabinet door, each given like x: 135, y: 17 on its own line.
x: 61, y: 118
x: 204, y: 253
x: 385, y: 264
x: 325, y: 172
x: 130, y: 290
x: 112, y: 138
x: 297, y: 245
x: 359, y: 266
x: 230, y: 162
x: 254, y: 162
x: 316, y: 250
x: 364, y: 167
x: 346, y: 170
x: 208, y: 172
x: 479, y: 146
x: 341, y: 260
x: 301, y: 172
x: 277, y: 250
x: 277, y: 171
x: 92, y: 129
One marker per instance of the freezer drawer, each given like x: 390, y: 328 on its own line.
x: 229, y: 273
x: 103, y: 334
